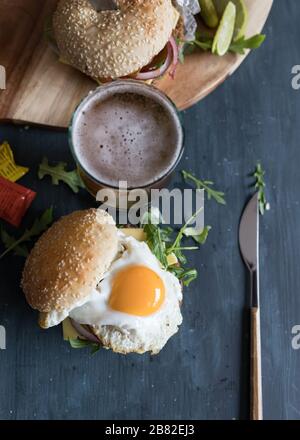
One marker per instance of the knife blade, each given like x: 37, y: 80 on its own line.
x: 249, y: 234
x: 104, y: 5
x: 249, y: 246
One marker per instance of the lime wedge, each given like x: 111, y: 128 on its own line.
x: 241, y: 15
x: 209, y: 13
x: 224, y: 34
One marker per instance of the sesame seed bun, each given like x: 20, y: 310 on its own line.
x: 67, y: 262
x: 113, y: 44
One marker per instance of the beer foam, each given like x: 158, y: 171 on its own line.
x: 124, y: 134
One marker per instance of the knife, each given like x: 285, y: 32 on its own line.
x: 104, y: 5
x: 249, y: 246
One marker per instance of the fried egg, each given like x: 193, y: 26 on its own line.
x: 136, y: 307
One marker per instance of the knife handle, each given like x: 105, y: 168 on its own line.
x: 256, y: 405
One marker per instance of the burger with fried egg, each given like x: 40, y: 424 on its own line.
x: 108, y: 285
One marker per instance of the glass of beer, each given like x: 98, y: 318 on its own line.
x: 126, y: 131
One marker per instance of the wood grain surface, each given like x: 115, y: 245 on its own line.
x: 203, y: 373
x: 42, y: 90
x: 256, y: 398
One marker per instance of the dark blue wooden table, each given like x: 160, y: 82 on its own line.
x: 203, y: 371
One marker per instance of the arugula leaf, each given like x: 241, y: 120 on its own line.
x: 41, y: 224
x: 260, y: 186
x: 176, y: 246
x: 239, y: 46
x: 95, y: 348
x: 8, y: 240
x: 16, y: 245
x: 58, y: 173
x: 181, y: 56
x: 190, y: 45
x: 81, y: 343
x: 166, y: 234
x: 184, y: 275
x: 187, y: 48
x: 156, y: 243
x: 157, y: 238
x: 179, y: 255
x: 204, y: 45
x: 198, y: 237
x: 218, y: 196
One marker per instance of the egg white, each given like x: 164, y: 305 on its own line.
x: 142, y: 332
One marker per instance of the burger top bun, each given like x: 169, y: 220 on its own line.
x: 113, y: 44
x: 67, y: 262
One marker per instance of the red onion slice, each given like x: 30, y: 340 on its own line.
x: 84, y: 332
x: 175, y: 51
x: 172, y: 59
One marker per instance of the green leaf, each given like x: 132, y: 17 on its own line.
x: 166, y: 234
x: 81, y: 343
x: 204, y: 45
x: 242, y: 44
x: 156, y: 243
x: 21, y: 251
x: 157, y: 238
x: 177, y: 243
x: 259, y: 176
x: 198, y: 237
x: 239, y: 46
x: 41, y: 224
x: 8, y: 241
x: 184, y: 275
x: 95, y: 348
x: 180, y: 256
x: 193, y: 44
x: 59, y: 174
x: 206, y: 185
x: 17, y: 245
x: 180, y: 51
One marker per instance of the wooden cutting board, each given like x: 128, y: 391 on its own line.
x: 41, y: 90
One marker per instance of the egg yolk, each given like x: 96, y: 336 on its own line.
x: 137, y: 290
